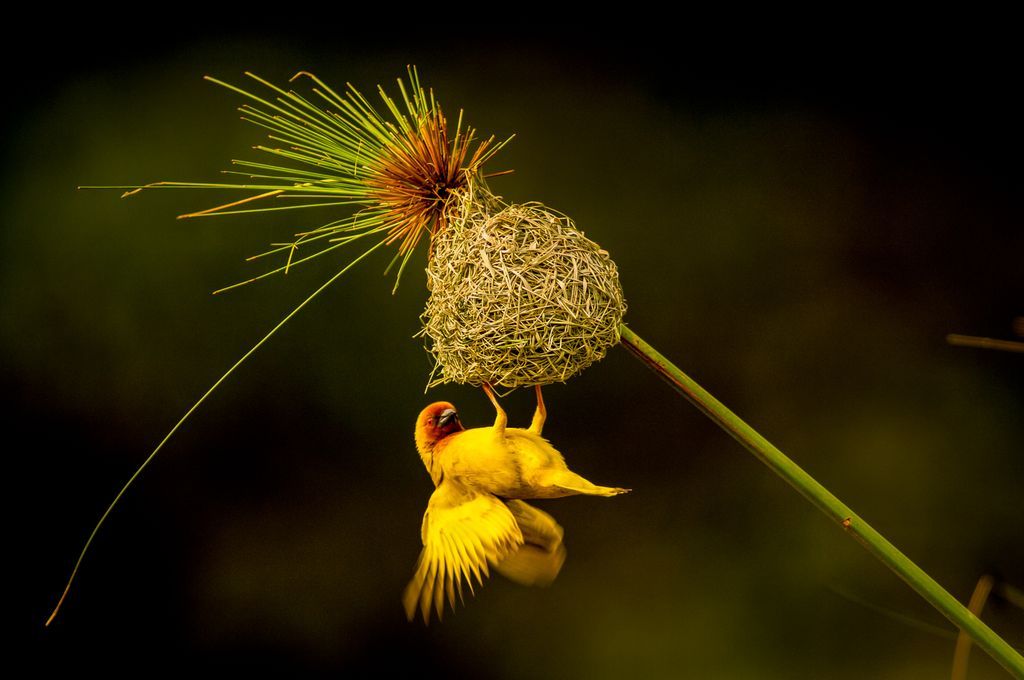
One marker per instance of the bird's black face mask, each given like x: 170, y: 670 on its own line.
x: 448, y: 417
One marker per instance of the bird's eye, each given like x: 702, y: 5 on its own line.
x: 433, y: 420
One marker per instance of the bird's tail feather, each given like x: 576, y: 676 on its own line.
x: 572, y: 483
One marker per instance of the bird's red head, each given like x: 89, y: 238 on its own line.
x: 436, y: 422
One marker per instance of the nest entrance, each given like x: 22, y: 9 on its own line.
x: 518, y: 295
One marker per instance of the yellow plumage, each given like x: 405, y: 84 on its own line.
x: 475, y: 518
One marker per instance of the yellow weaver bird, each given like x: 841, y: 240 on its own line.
x: 475, y: 518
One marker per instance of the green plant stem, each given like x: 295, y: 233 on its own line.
x: 824, y: 500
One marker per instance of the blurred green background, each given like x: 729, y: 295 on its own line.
x: 796, y: 228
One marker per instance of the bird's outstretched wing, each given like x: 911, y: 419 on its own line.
x: 463, y: 531
x: 539, y: 559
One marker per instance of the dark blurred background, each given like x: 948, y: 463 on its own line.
x: 797, y: 223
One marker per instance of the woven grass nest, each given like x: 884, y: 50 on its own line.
x: 518, y: 295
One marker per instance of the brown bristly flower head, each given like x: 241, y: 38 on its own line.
x: 417, y: 180
x: 398, y: 167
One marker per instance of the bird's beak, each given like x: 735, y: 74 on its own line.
x: 447, y: 416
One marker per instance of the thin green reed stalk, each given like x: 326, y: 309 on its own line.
x: 824, y: 500
x: 181, y: 421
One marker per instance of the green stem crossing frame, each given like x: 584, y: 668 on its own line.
x: 824, y: 500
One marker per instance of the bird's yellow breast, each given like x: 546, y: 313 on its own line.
x: 505, y: 466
